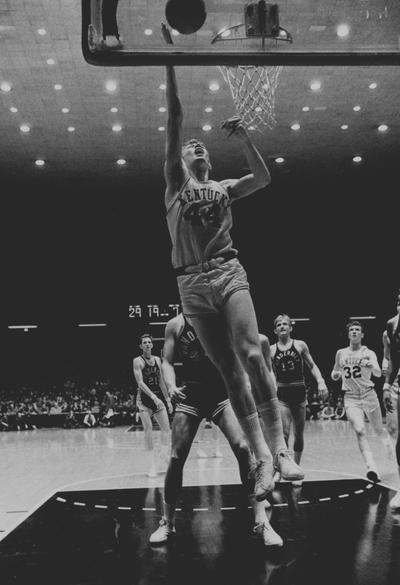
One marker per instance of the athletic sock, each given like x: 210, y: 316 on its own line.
x: 252, y: 429
x: 271, y: 417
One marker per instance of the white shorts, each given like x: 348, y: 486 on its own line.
x: 367, y: 402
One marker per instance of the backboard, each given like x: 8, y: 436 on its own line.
x: 292, y: 32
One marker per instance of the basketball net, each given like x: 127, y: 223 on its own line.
x: 253, y: 92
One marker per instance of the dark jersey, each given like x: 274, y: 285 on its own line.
x: 151, y: 377
x: 288, y: 367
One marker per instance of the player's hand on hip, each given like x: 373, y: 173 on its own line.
x: 234, y: 127
x: 178, y: 394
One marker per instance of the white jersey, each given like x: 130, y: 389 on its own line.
x: 355, y: 377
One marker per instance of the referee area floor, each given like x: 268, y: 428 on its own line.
x: 77, y: 507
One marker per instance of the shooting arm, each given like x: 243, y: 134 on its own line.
x: 173, y: 168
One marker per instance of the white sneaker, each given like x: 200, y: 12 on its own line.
x: 264, y: 479
x: 268, y: 534
x: 163, y: 532
x: 288, y: 468
x: 395, y: 502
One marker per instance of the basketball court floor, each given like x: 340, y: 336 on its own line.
x: 77, y: 507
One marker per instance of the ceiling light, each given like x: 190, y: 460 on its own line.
x: 39, y: 162
x: 342, y: 30
x: 208, y: 109
x: 58, y: 86
x: 357, y: 108
x: 315, y: 85
x: 25, y: 128
x: 174, y: 32
x: 13, y: 109
x: 163, y: 86
x: 71, y: 128
x: 50, y: 62
x: 114, y: 110
x: 279, y: 160
x: 121, y: 162
x: 373, y: 85
x: 252, y: 127
x: 258, y: 109
x: 161, y: 128
x: 383, y: 127
x: 148, y: 32
x: 214, y: 86
x: 344, y: 127
x: 65, y: 110
x: 116, y: 128
x: 111, y: 85
x: 305, y: 108
x: 295, y: 126
x: 162, y: 109
x: 357, y: 159
x: 206, y: 127
x: 5, y: 86
x: 42, y: 32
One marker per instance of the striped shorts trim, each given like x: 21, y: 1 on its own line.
x: 212, y: 413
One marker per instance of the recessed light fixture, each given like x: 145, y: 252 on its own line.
x: 208, y: 109
x: 315, y: 85
x: 206, y: 127
x: 252, y: 128
x: 111, y: 85
x: 163, y: 86
x: 121, y: 162
x: 25, y: 128
x: 373, y: 85
x: 214, y: 86
x: 5, y: 86
x: 279, y: 160
x: 258, y: 109
x: 71, y: 128
x: 114, y: 110
x: 50, y: 61
x: 162, y: 109
x: 161, y: 128
x: 13, y: 109
x: 42, y: 32
x: 295, y: 126
x: 344, y: 127
x: 357, y: 159
x: 148, y: 32
x: 65, y: 110
x: 343, y: 30
x: 39, y: 162
x: 357, y: 108
x: 116, y: 128
x: 305, y: 108
x: 383, y: 127
x: 58, y: 86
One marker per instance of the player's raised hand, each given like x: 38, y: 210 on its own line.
x: 178, y: 394
x: 234, y: 127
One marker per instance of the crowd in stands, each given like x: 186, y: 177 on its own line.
x: 69, y: 404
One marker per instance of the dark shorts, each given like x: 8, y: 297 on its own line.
x: 204, y: 401
x: 292, y: 395
x: 145, y: 404
x: 205, y: 293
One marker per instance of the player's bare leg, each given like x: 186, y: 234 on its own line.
x: 356, y: 418
x: 148, y: 441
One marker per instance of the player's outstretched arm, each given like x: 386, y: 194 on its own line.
x: 260, y: 176
x: 173, y: 167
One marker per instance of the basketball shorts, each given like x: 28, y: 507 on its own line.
x: 205, y: 293
x: 145, y: 404
x: 366, y: 401
x: 292, y: 395
x: 204, y: 401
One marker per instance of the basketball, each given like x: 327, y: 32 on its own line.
x: 185, y: 16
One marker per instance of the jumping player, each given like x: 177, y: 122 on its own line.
x: 288, y: 358
x: 389, y: 387
x: 202, y: 395
x: 355, y: 365
x: 213, y: 285
x: 152, y: 400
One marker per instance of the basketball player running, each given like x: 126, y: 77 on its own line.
x: 149, y: 401
x: 355, y: 365
x: 288, y: 358
x: 202, y: 395
x: 389, y: 387
x: 213, y: 285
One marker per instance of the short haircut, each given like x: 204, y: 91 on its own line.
x: 193, y: 141
x: 145, y: 336
x: 283, y: 316
x: 354, y: 324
